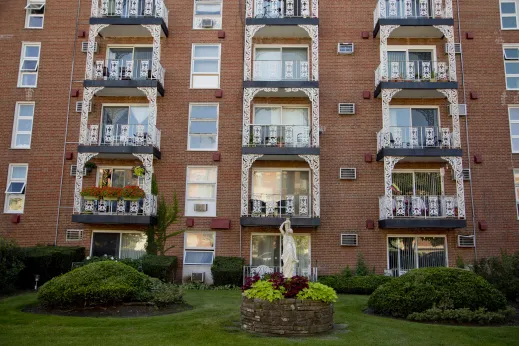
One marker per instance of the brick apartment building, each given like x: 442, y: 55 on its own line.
x: 386, y: 128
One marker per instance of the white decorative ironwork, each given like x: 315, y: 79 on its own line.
x: 104, y: 8
x: 289, y: 10
x: 449, y: 206
x: 157, y: 70
x: 102, y: 206
x: 395, y: 70
x: 92, y: 34
x: 290, y: 204
x: 429, y: 137
x: 147, y: 163
x: 400, y: 206
x: 82, y: 158
x: 270, y: 206
x: 257, y: 134
x: 134, y: 207
x: 305, y: 8
x: 392, y: 8
x: 303, y: 206
x: 99, y: 69
x: 304, y: 70
x: 139, y: 135
x: 123, y: 137
x: 313, y: 96
x: 448, y: 32
x: 247, y: 161
x: 273, y: 135
x: 261, y: 271
x: 133, y: 8
x: 426, y: 70
x: 118, y: 7
x: 385, y: 32
x: 448, y: 9
x: 414, y: 137
x: 313, y: 32
x: 89, y: 206
x: 457, y: 165
x: 314, y: 163
x: 408, y: 8
x: 416, y: 206
x: 410, y: 70
x: 438, y: 11
x: 250, y: 31
x: 387, y: 96
x: 151, y: 95
x: 148, y: 7
x: 109, y: 134
x: 441, y: 72
x: 433, y: 206
x: 446, y: 137
x: 88, y: 94
x: 397, y: 137
x: 389, y: 165
x: 94, y: 134
x: 289, y: 69
x: 289, y: 135
x: 128, y: 73
x: 424, y: 8
x: 256, y: 207
x: 452, y: 97
x: 114, y: 69
x: 248, y: 96
x: 121, y: 206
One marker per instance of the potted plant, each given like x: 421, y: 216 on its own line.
x: 90, y: 166
x: 132, y: 193
x: 138, y: 171
x: 91, y: 193
x: 111, y: 193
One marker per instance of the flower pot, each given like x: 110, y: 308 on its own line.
x: 88, y: 170
x: 90, y: 198
x: 110, y: 198
x: 133, y: 199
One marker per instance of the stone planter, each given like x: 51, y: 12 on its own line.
x: 289, y: 317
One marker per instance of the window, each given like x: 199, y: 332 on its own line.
x: 199, y: 247
x: 125, y: 125
x: 15, y: 191
x: 118, y: 244
x: 286, y: 126
x: 513, y: 115
x: 129, y: 62
x: 511, y: 57
x: 508, y: 14
x: 201, y: 191
x: 205, y: 67
x: 405, y: 120
x: 208, y: 14
x: 406, y: 253
x: 203, y: 127
x: 516, y: 181
x: 22, y: 128
x: 29, y: 62
x: 281, y: 63
x: 423, y: 59
x: 419, y: 183
x: 118, y: 177
x: 35, y: 11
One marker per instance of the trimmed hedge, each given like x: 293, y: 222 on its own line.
x: 11, y: 263
x: 444, y: 288
x: 160, y: 267
x: 480, y: 316
x: 502, y: 272
x: 227, y: 271
x: 354, y: 284
x: 48, y: 262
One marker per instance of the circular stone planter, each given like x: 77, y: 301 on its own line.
x: 289, y: 317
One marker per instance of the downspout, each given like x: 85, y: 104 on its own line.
x: 467, y: 135
x: 66, y: 123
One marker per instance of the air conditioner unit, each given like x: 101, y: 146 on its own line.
x: 73, y: 170
x: 207, y: 23
x: 457, y: 48
x: 201, y: 207
x: 348, y: 173
x: 461, y: 107
x: 79, y: 107
x: 197, y: 277
x: 84, y: 47
x: 74, y: 235
x: 466, y: 174
x: 466, y: 241
x: 346, y: 108
x: 345, y: 48
x: 349, y: 240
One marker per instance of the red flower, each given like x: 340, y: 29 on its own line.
x: 91, y: 192
x: 131, y: 191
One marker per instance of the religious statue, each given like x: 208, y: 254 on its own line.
x: 289, y: 255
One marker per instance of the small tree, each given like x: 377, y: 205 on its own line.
x: 362, y: 267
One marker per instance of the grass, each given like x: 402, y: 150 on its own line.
x: 208, y: 322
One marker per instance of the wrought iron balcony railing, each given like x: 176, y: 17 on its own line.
x: 280, y: 205
x: 282, y: 136
x: 130, y: 9
x: 413, y: 71
x: 415, y: 137
x: 419, y: 207
x: 125, y: 135
x: 117, y: 207
x: 139, y: 69
x: 262, y: 270
x: 285, y: 8
x: 405, y: 9
x: 277, y: 70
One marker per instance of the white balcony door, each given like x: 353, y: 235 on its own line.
x: 295, y: 118
x: 266, y: 249
x: 141, y: 56
x: 401, y: 58
x: 118, y: 177
x: 418, y: 183
x: 407, y: 253
x: 270, y: 64
x: 403, y: 119
x: 135, y: 118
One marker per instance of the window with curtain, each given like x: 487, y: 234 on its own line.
x: 118, y: 245
x: 199, y: 248
x: 266, y: 249
x: 281, y: 63
x: 124, y: 115
x: 401, y: 57
x: 406, y: 253
x: 417, y: 183
x: 287, y: 118
x: 117, y: 177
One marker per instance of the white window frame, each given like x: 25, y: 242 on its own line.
x: 516, y: 15
x: 510, y: 121
x: 188, y: 211
x: 406, y: 49
x: 410, y: 107
x: 281, y: 47
x: 193, y: 58
x: 207, y: 16
x: 200, y: 249
x: 282, y: 107
x: 23, y: 58
x: 18, y: 117
x: 111, y: 231
x: 8, y: 196
x: 440, y: 170
x: 516, y: 187
x: 510, y: 61
x: 34, y: 4
x: 203, y: 120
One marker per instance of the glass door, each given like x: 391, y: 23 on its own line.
x: 117, y: 62
x: 403, y: 119
x: 295, y: 63
x: 142, y: 64
x: 105, y: 244
x: 407, y: 253
x: 266, y: 249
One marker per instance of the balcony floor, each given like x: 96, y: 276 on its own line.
x: 282, y: 27
x: 119, y: 151
x: 414, y: 27
x: 302, y: 222
x: 422, y: 223
x: 129, y: 27
x: 114, y: 219
x: 419, y: 155
x: 428, y: 90
x: 123, y: 87
x: 281, y: 151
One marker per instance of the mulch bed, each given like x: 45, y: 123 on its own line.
x: 124, y: 310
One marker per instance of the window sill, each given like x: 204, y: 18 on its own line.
x: 26, y: 87
x: 13, y: 213
x: 203, y: 150
x: 15, y: 148
x: 201, y: 216
x: 34, y: 28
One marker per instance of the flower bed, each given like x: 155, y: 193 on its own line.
x: 291, y: 307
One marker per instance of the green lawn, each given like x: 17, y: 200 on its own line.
x: 209, y: 322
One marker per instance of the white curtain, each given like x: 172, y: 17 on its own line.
x: 133, y: 245
x: 267, y: 64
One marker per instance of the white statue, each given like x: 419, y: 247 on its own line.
x: 289, y: 255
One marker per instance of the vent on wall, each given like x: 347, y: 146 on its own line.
x: 348, y: 174
x: 345, y: 48
x: 84, y: 47
x: 79, y: 107
x: 457, y: 47
x: 349, y: 240
x: 73, y: 170
x: 346, y: 108
x: 461, y: 107
x: 466, y: 241
x: 74, y: 234
x: 466, y: 174
x: 197, y: 277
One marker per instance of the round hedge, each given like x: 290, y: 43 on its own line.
x: 445, y: 288
x: 96, y: 284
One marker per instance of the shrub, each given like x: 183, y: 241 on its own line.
x: 48, y: 262
x: 264, y: 290
x: 164, y: 294
x: 318, y: 291
x: 362, y: 267
x: 295, y: 285
x: 227, y: 271
x: 480, y: 316
x: 197, y: 286
x: 356, y: 284
x: 160, y: 267
x: 502, y: 272
x: 11, y: 263
x: 444, y: 288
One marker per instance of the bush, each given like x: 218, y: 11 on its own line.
x: 100, y: 283
x: 48, y: 262
x: 480, y: 316
x: 502, y: 272
x: 356, y: 284
x: 444, y: 288
x: 264, y: 290
x: 160, y: 267
x: 11, y: 263
x: 319, y: 292
x: 164, y: 294
x: 227, y: 271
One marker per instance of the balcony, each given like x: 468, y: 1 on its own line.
x: 420, y: 211
x: 415, y: 18
x: 124, y: 77
x: 125, y: 18
x: 281, y: 74
x: 283, y: 13
x: 417, y: 79
x: 280, y: 140
x: 418, y: 143
x: 116, y: 212
x: 122, y: 141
